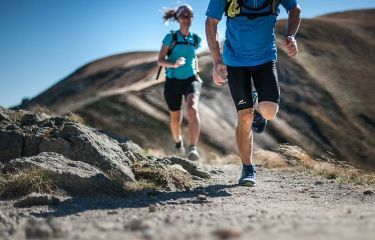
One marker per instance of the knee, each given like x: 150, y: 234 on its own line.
x: 245, y: 117
x: 192, y: 112
x: 176, y: 119
x: 268, y: 110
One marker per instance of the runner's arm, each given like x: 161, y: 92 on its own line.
x: 294, y: 21
x: 219, y: 72
x: 162, y: 61
x: 213, y: 43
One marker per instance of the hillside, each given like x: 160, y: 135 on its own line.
x: 326, y: 105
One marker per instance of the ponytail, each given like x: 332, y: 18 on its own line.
x: 170, y: 15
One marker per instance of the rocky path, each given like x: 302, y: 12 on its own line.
x: 283, y: 205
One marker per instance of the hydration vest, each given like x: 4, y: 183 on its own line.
x: 175, y: 43
x: 233, y: 8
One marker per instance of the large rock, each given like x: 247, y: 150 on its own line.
x: 31, y: 145
x: 57, y: 145
x: 73, y: 176
x: 11, y: 143
x: 133, y: 151
x: 191, y: 167
x: 96, y: 149
x: 3, y: 116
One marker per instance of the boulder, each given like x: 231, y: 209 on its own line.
x: 191, y: 167
x: 11, y: 143
x: 73, y: 176
x: 31, y: 145
x: 133, y: 151
x: 96, y: 149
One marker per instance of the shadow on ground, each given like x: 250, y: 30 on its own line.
x: 77, y: 204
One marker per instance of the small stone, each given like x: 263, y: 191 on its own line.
x: 318, y: 183
x: 251, y: 216
x: 227, y: 233
x: 140, y: 224
x: 112, y: 212
x: 106, y: 226
x: 348, y: 211
x: 202, y: 197
x: 61, y: 191
x: 368, y: 192
x: 148, y: 233
x: 3, y: 218
x: 152, y: 208
x: 168, y: 219
x: 263, y: 211
x: 38, y: 230
x: 59, y: 228
x: 313, y: 196
x: 11, y: 127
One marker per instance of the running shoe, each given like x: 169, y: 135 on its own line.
x: 248, y: 176
x: 193, y: 153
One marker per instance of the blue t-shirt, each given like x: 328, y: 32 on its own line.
x: 182, y: 50
x: 248, y: 42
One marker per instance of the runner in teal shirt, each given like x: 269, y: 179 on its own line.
x: 181, y: 50
x: 178, y: 56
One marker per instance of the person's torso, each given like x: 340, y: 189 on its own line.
x: 250, y: 42
x: 186, y: 50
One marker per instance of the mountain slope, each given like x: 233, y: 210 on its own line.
x: 326, y: 95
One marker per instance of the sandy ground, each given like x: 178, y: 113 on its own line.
x: 283, y: 205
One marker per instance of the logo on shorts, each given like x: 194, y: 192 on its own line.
x: 241, y: 102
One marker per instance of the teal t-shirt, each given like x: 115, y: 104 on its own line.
x: 182, y: 50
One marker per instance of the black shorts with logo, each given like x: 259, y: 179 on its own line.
x: 174, y: 89
x: 265, y: 81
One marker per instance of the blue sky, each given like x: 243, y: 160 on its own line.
x: 43, y: 41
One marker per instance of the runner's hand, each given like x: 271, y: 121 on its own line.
x: 179, y: 62
x: 220, y: 74
x: 291, y: 46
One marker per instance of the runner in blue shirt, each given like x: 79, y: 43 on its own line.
x: 178, y: 56
x: 249, y: 56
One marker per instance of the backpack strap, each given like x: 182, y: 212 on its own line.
x: 274, y: 4
x: 196, y: 40
x: 173, y: 43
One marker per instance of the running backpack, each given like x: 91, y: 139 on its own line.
x: 175, y: 43
x: 233, y: 9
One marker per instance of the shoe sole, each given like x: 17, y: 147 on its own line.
x: 193, y: 157
x: 247, y: 184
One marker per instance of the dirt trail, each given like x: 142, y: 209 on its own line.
x: 283, y: 205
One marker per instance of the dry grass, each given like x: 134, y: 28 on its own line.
x: 25, y: 182
x: 269, y: 159
x: 75, y: 118
x: 153, y: 178
x: 162, y: 177
x: 298, y: 160
x: 41, y: 109
x: 16, y: 116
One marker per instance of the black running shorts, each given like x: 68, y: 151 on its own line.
x: 174, y: 89
x: 265, y: 81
